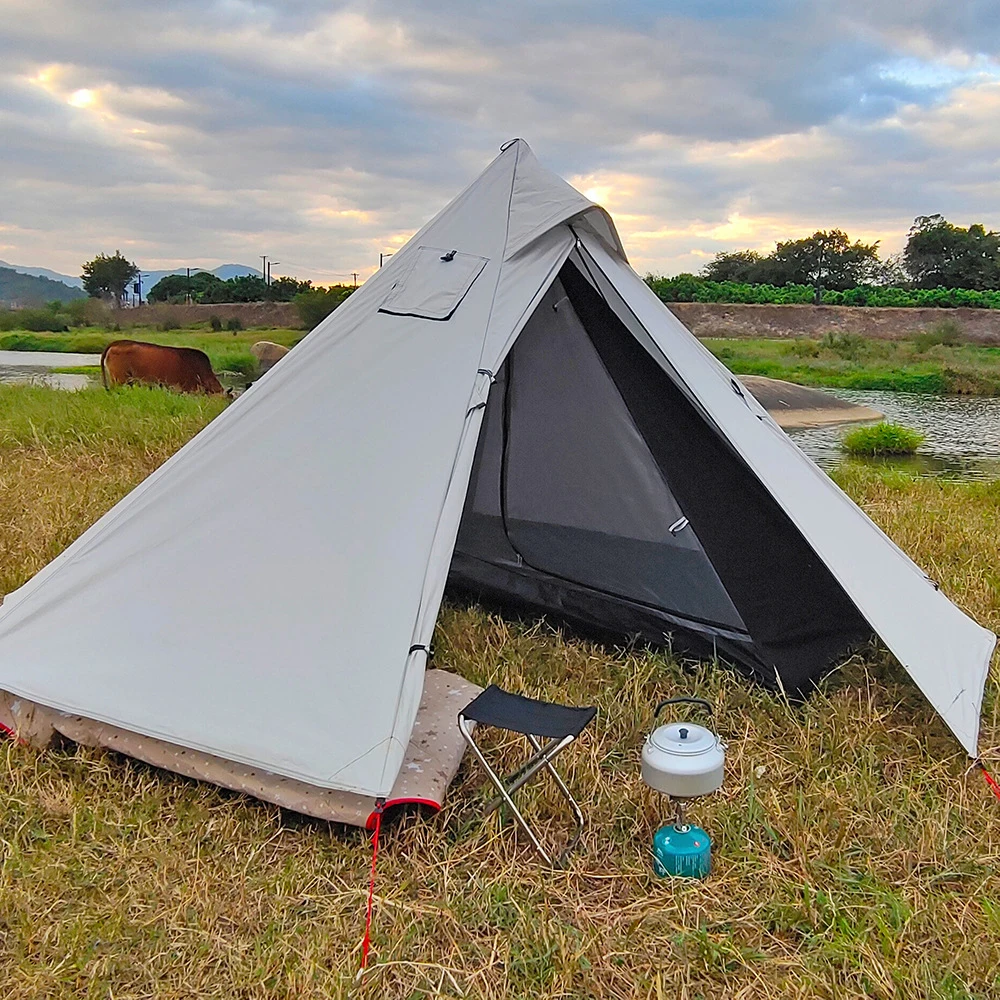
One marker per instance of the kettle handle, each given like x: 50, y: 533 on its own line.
x: 707, y: 705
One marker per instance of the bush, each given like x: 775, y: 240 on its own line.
x: 215, y: 323
x: 34, y: 320
x: 317, y: 303
x: 234, y: 324
x: 801, y: 347
x: 947, y: 332
x: 848, y: 346
x: 692, y: 288
x: 166, y: 325
x: 882, y: 439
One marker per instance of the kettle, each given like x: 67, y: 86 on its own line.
x: 682, y: 759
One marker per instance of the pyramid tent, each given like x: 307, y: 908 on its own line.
x: 619, y: 474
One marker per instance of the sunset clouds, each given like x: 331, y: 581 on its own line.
x: 323, y: 134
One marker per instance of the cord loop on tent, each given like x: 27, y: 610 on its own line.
x: 450, y: 255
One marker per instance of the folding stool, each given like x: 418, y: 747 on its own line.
x: 560, y: 725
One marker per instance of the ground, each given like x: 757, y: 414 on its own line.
x: 856, y: 854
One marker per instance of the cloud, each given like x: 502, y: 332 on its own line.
x: 323, y: 133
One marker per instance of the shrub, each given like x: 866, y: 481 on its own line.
x: 317, y: 303
x: 947, y: 332
x: 881, y: 439
x: 34, y: 320
x: 848, y: 346
x: 168, y: 324
x: 234, y: 324
x: 801, y: 347
x: 215, y: 323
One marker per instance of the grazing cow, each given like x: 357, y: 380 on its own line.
x: 127, y: 362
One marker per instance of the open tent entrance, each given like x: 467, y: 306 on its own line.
x: 603, y: 494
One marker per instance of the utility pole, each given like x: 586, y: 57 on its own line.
x: 189, y: 286
x: 263, y: 267
x: 355, y: 273
x: 270, y: 264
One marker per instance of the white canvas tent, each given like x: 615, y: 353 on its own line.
x: 300, y: 660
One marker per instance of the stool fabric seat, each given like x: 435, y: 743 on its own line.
x: 528, y: 716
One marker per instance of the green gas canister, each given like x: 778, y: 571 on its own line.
x: 682, y: 850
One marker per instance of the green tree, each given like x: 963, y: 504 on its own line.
x: 938, y: 253
x: 825, y: 260
x: 737, y: 265
x: 177, y: 287
x: 285, y: 289
x: 107, y: 277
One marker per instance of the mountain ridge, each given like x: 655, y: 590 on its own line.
x: 149, y: 278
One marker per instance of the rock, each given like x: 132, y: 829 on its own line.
x: 268, y: 354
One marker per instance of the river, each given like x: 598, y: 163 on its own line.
x: 962, y: 433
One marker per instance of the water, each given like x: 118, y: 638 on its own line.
x: 962, y: 433
x: 42, y: 376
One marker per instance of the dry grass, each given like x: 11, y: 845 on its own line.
x: 854, y: 854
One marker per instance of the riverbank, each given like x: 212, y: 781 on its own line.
x: 783, y: 322
x: 848, y: 843
x: 853, y: 362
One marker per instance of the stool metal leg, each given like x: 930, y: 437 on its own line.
x: 542, y: 758
x: 573, y: 804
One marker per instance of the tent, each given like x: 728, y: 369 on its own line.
x: 505, y: 401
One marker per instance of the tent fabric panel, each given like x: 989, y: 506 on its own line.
x: 945, y: 652
x: 290, y: 654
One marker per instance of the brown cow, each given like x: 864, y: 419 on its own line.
x: 127, y: 362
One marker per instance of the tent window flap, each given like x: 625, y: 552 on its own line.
x: 434, y: 284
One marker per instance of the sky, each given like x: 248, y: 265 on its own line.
x: 200, y: 132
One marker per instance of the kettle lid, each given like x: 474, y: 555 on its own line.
x: 684, y: 739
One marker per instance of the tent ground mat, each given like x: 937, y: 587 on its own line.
x: 432, y: 757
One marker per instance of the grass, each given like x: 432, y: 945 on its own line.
x: 227, y: 350
x: 931, y: 363
x: 881, y: 439
x: 855, y: 855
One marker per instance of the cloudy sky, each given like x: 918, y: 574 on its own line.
x: 322, y: 133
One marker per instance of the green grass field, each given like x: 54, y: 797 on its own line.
x: 851, y: 362
x: 855, y: 853
x: 228, y: 351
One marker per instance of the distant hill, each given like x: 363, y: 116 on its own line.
x: 149, y: 278
x: 20, y: 289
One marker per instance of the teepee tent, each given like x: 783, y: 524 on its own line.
x: 507, y: 374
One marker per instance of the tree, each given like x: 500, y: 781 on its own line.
x: 107, y: 277
x: 177, y: 287
x: 738, y: 265
x: 825, y: 259
x: 940, y: 254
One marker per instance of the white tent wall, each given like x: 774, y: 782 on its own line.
x: 290, y: 653
x: 945, y: 652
